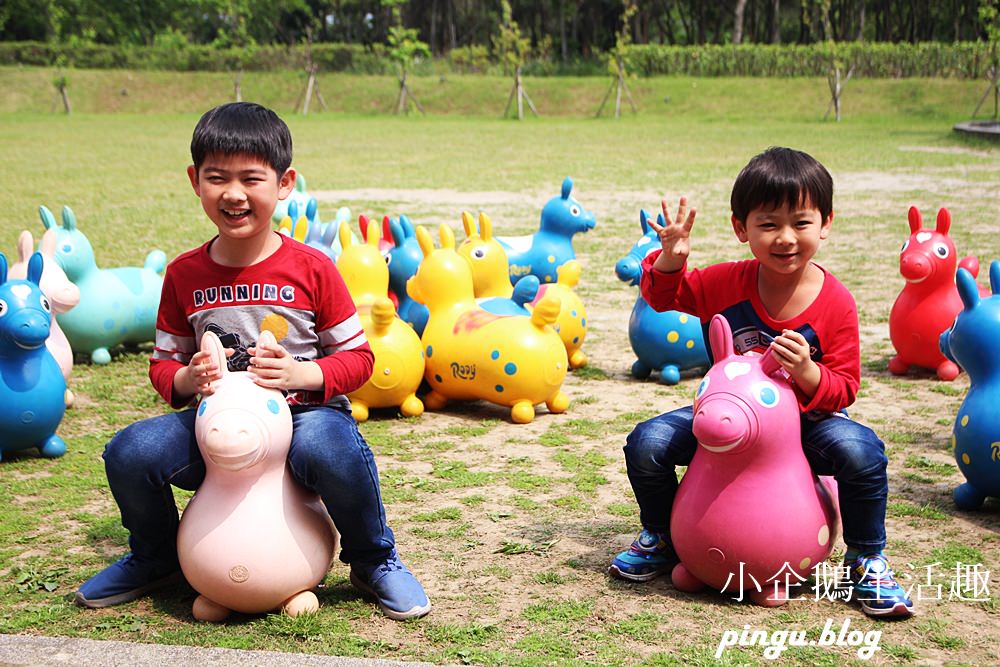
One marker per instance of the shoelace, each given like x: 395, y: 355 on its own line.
x: 390, y: 566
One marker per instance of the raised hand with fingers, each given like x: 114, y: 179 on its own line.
x: 674, y: 235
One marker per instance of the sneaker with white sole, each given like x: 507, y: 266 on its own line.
x: 397, y: 591
x: 876, y: 588
x: 127, y: 579
x: 649, y: 556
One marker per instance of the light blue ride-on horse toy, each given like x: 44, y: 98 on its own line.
x: 669, y: 342
x: 32, y: 387
x: 542, y: 253
x: 298, y: 195
x: 116, y: 305
x: 971, y: 342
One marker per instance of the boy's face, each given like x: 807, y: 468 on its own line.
x: 239, y: 193
x: 784, y: 239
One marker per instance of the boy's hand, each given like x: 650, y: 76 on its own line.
x: 792, y: 351
x: 273, y: 367
x: 197, y: 377
x: 674, y: 236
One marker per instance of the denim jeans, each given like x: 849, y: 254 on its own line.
x: 327, y: 456
x: 834, y: 445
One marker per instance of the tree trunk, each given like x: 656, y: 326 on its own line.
x: 861, y: 23
x: 741, y: 6
x: 563, y: 46
x: 776, y: 21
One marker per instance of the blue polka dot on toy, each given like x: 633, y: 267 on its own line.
x: 272, y: 405
x: 430, y: 352
x: 499, y: 388
x: 510, y: 368
x: 495, y: 354
x: 109, y: 325
x: 201, y: 408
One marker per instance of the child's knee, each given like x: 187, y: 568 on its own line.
x: 133, y: 450
x: 863, y: 456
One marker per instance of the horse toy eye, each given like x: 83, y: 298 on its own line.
x: 388, y: 260
x: 703, y: 387
x: 941, y: 250
x: 67, y: 248
x: 765, y: 393
x: 906, y: 244
x: 479, y: 253
x: 45, y: 304
x: 574, y: 210
x: 3, y: 307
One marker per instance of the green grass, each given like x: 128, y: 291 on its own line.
x: 510, y: 527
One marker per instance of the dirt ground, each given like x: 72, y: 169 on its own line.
x: 537, y: 492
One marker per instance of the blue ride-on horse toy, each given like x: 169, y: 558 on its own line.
x: 404, y: 257
x: 971, y: 342
x: 32, y: 387
x: 542, y: 253
x: 669, y: 342
x: 116, y: 305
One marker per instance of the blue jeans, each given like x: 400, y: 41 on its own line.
x: 327, y: 456
x: 835, y: 445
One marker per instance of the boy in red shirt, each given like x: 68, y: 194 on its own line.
x: 244, y: 280
x: 782, y: 204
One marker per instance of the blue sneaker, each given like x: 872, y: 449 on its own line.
x: 399, y: 594
x: 876, y: 589
x: 128, y: 579
x: 649, y: 556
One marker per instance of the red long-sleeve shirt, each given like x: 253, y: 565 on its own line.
x: 296, y: 293
x: 829, y: 324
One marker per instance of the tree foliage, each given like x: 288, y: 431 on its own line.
x: 552, y: 29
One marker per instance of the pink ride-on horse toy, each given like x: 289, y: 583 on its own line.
x: 929, y: 301
x: 251, y: 539
x: 749, y: 514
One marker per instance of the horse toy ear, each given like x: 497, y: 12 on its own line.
x: 293, y: 211
x: 35, y: 266
x: 485, y: 226
x: 266, y: 339
x: 425, y: 241
x: 468, y: 224
x: 344, y: 235
x: 447, y: 237
x: 386, y: 229
x: 371, y: 233
x: 914, y: 217
x: 396, y: 230
x: 769, y: 363
x: 25, y: 244
x: 69, y: 220
x: 567, y: 187
x: 967, y: 288
x: 943, y: 221
x: 3, y: 268
x: 644, y: 221
x: 48, y: 219
x: 720, y: 337
x: 995, y: 276
x: 211, y: 344
x: 407, y: 225
x: 311, y: 210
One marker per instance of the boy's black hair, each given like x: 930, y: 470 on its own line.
x: 243, y: 128
x: 780, y: 176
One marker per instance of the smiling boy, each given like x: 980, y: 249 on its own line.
x: 244, y: 280
x: 782, y: 206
